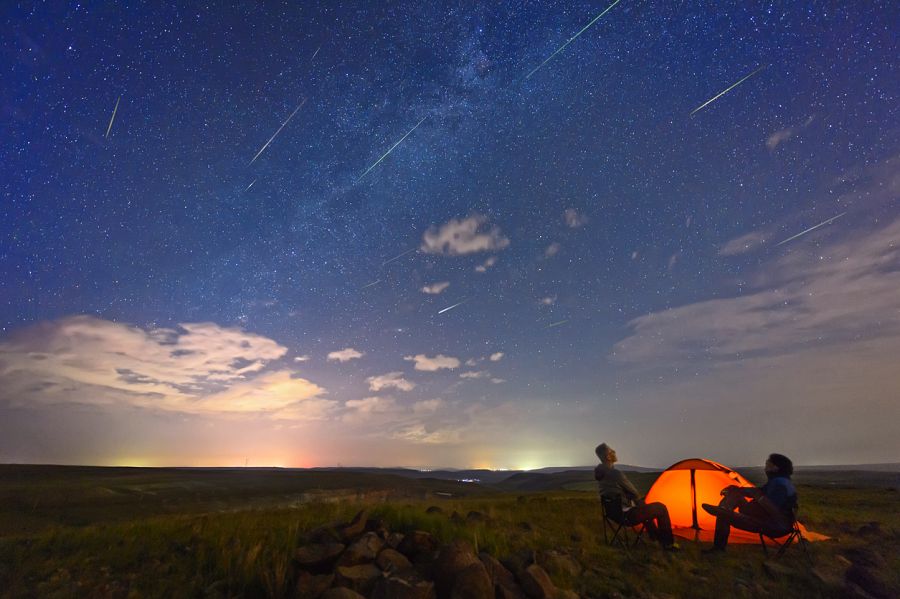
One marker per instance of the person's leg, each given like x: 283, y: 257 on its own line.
x: 655, y: 516
x: 724, y: 519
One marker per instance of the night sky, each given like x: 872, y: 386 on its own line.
x: 445, y: 257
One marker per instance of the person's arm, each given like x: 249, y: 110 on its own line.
x: 628, y: 489
x: 773, y: 499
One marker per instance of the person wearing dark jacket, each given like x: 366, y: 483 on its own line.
x: 612, y: 483
x: 768, y: 509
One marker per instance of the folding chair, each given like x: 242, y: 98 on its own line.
x: 614, y: 523
x: 796, y: 535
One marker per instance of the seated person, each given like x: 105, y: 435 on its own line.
x: 768, y: 509
x: 613, y: 483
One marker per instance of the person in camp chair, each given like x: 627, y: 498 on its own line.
x: 613, y: 484
x: 768, y: 509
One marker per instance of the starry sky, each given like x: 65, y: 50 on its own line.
x: 449, y: 235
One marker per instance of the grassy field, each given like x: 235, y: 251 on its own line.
x: 94, y: 532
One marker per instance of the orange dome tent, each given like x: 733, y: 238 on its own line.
x: 685, y: 486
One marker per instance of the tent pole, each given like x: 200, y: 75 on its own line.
x: 695, y: 525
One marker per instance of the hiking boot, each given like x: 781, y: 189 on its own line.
x: 714, y: 550
x: 674, y: 547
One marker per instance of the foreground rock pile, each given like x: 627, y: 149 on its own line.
x: 363, y: 558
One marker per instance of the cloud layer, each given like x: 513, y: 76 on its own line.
x: 463, y: 236
x: 195, y: 368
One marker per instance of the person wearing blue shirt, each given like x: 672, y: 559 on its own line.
x: 768, y: 509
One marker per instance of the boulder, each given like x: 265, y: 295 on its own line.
x: 406, y: 586
x: 433, y: 509
x: 776, y: 570
x: 363, y: 550
x: 451, y: 560
x: 536, y: 583
x: 318, y: 557
x: 341, y: 593
x: 378, y: 526
x: 311, y: 586
x: 355, y: 528
x: 417, y: 544
x: 391, y: 560
x: 472, y: 582
x: 559, y: 564
x: 361, y: 578
x: 394, y: 539
x: 496, y: 570
x: 869, y: 581
x: 505, y: 585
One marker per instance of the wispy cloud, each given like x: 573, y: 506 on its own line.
x: 390, y: 380
x: 484, y: 266
x: 436, y: 288
x: 463, y: 236
x: 496, y: 356
x: 345, y: 355
x: 743, y: 244
x: 438, y: 362
x: 574, y: 219
x: 779, y: 137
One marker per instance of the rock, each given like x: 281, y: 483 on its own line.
x: 851, y: 591
x: 558, y: 564
x: 407, y: 586
x: 474, y: 516
x: 451, y: 560
x: 363, y: 550
x: 457, y: 518
x: 433, y: 509
x: 869, y: 581
x: 776, y: 570
x: 394, y: 539
x: 355, y: 528
x: 576, y: 538
x: 472, y: 582
x: 566, y: 594
x: 508, y: 592
x: 417, y: 544
x: 318, y: 557
x: 378, y: 526
x: 865, y: 556
x: 360, y: 578
x: 517, y: 562
x: 525, y: 526
x: 869, y: 529
x: 496, y: 570
x: 341, y: 593
x: 311, y: 586
x: 536, y: 583
x: 391, y: 560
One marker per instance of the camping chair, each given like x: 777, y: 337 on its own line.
x: 796, y: 535
x: 614, y: 523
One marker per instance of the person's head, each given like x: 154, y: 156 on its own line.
x: 606, y: 454
x: 780, y: 465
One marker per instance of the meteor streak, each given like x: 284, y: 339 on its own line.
x: 557, y: 323
x: 314, y: 53
x: 571, y: 39
x: 251, y: 185
x: 398, y: 256
x: 370, y: 284
x: 391, y: 150
x: 813, y: 228
x: 722, y: 93
x: 448, y: 308
x: 262, y: 149
x: 113, y: 117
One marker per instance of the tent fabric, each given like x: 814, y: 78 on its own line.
x: 683, y: 487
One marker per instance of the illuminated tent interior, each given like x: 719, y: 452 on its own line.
x: 683, y: 487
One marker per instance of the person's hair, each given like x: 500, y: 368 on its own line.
x: 783, y: 463
x: 601, y: 451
